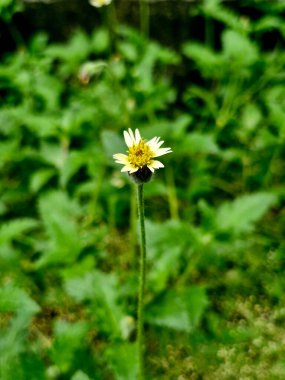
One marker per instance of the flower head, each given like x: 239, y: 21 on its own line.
x: 140, y: 159
x: 99, y: 3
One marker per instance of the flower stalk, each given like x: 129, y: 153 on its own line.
x: 142, y: 276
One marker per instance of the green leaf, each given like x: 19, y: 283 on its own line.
x: 53, y: 154
x: 92, y: 285
x: 40, y: 178
x: 216, y: 10
x: 180, y: 125
x: 8, y: 8
x: 275, y: 102
x: 196, y: 142
x: 123, y: 359
x: 164, y: 268
x: 208, y: 61
x: 41, y: 125
x: 14, y: 299
x: 79, y: 375
x: 251, y: 116
x: 100, y: 40
x: 7, y: 149
x: 76, y: 50
x: 16, y: 358
x: 49, y: 89
x: 102, y: 290
x: 112, y: 143
x: 59, y: 215
x: 68, y: 338
x: 16, y: 228
x: 268, y: 23
x: 240, y: 215
x: 238, y: 48
x: 178, y: 310
x: 128, y: 51
x: 73, y: 162
x: 164, y: 251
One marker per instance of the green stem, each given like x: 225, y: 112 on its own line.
x: 172, y: 196
x: 140, y: 328
x: 209, y: 33
x: 144, y: 17
x: 133, y: 226
x: 111, y: 21
x: 16, y: 35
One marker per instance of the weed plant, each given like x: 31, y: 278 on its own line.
x: 214, y: 301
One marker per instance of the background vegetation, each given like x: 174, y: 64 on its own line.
x: 215, y: 228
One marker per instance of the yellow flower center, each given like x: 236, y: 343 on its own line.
x: 140, y: 154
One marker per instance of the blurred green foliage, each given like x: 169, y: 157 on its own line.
x: 8, y: 8
x: 215, y: 229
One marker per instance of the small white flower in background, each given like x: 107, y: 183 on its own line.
x: 99, y: 3
x: 128, y: 326
x: 140, y: 159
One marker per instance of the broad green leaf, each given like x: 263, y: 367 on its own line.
x: 7, y: 150
x: 251, y: 116
x: 123, y: 359
x: 80, y: 267
x: 40, y: 178
x: 16, y: 228
x: 16, y: 358
x: 238, y: 48
x: 128, y: 50
x: 163, y: 236
x: 68, y: 338
x: 196, y: 142
x: 216, y: 10
x: 76, y: 50
x: 164, y: 251
x: 100, y: 40
x: 53, y: 154
x: 73, y: 162
x: 102, y: 290
x: 240, y: 215
x: 79, y: 375
x: 275, y: 102
x: 178, y: 310
x: 14, y: 299
x: 112, y: 143
x: 268, y: 23
x: 59, y: 215
x: 208, y: 61
x: 164, y: 268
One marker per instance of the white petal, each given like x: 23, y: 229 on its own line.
x: 159, y: 143
x: 156, y: 164
x: 133, y: 170
x: 128, y: 139
x: 155, y: 146
x: 150, y: 168
x: 152, y: 146
x: 154, y: 143
x: 127, y: 168
x: 152, y: 140
x: 99, y: 3
x: 131, y: 133
x: 162, y: 151
x: 137, y: 136
x: 121, y: 158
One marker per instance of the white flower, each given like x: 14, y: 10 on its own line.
x: 141, y: 153
x: 99, y: 3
